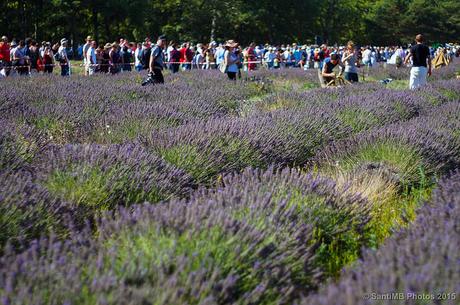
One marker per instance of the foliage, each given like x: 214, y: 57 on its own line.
x: 377, y: 22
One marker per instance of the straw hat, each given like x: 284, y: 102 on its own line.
x: 231, y: 44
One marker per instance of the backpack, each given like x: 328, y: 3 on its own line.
x: 146, y: 58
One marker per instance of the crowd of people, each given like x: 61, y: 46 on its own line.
x: 24, y: 57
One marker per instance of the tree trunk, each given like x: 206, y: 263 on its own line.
x: 213, y: 26
x: 95, y: 22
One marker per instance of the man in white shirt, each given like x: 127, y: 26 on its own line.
x: 91, y: 61
x: 138, y: 57
x: 63, y: 59
x: 367, y: 57
x: 86, y: 46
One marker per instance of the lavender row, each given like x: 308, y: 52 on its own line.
x: 257, y: 239
x: 67, y: 187
x: 420, y: 263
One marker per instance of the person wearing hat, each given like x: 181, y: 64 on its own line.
x: 231, y: 60
x: 63, y: 59
x: 156, y: 63
x: 5, y: 58
x: 86, y: 46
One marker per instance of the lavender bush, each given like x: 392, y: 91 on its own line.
x: 115, y: 193
x: 420, y: 262
x: 255, y: 240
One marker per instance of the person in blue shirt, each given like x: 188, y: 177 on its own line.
x: 220, y: 51
x: 297, y: 55
x: 231, y: 59
x: 156, y: 63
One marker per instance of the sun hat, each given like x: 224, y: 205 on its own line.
x: 231, y: 44
x: 63, y: 40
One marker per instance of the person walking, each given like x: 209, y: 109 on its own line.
x: 91, y: 60
x: 420, y: 55
x: 156, y: 64
x: 350, y: 59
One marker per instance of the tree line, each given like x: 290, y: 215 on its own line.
x: 377, y: 22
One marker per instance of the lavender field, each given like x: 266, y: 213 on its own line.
x: 204, y: 191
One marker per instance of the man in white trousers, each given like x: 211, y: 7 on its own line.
x: 91, y: 61
x: 420, y: 55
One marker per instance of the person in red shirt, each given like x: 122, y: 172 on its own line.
x: 251, y: 57
x: 186, y: 56
x: 5, y: 59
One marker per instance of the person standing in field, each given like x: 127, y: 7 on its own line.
x: 350, y: 59
x: 125, y: 56
x: 156, y: 64
x: 86, y: 46
x: 63, y: 59
x: 420, y: 55
x: 19, y: 59
x: 48, y: 59
x: 174, y: 59
x: 138, y: 57
x: 91, y: 60
x: 231, y: 60
x: 367, y: 54
x: 5, y: 59
x: 115, y: 59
